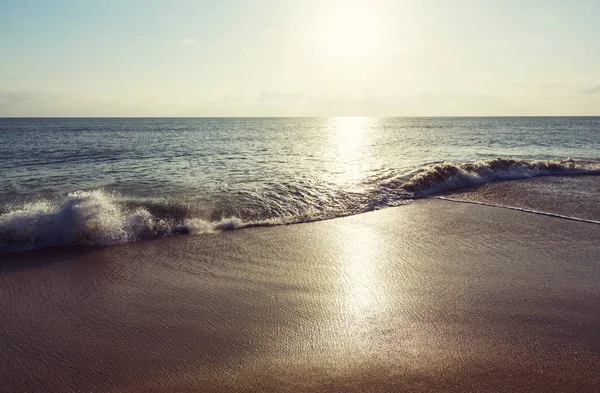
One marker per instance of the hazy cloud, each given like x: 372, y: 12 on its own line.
x: 269, y: 95
x: 591, y: 90
x: 188, y: 41
x: 543, y: 85
x: 231, y: 98
x: 497, y: 43
x: 9, y: 97
x: 16, y: 103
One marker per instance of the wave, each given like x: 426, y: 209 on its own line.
x: 92, y: 218
x: 97, y: 217
x: 448, y: 176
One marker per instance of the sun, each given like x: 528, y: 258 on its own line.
x: 351, y: 29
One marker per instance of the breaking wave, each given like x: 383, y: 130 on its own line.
x: 97, y: 217
x: 448, y: 176
x: 92, y: 218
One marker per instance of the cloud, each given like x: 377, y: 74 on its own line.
x: 17, y: 103
x: 269, y: 95
x: 591, y: 90
x: 497, y: 43
x: 9, y: 97
x: 229, y: 98
x: 545, y: 85
x: 188, y: 41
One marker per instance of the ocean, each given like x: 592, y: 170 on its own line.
x: 106, y: 181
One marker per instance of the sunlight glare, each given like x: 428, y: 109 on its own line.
x: 348, y: 134
x: 349, y: 141
x: 351, y: 29
x: 362, y: 264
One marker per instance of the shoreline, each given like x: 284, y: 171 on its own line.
x: 520, y: 209
x: 431, y: 296
x: 99, y: 217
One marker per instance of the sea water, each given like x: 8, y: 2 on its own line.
x: 113, y: 180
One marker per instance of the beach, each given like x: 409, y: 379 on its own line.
x: 433, y: 296
x: 345, y: 196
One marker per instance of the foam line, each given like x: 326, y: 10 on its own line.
x: 521, y: 209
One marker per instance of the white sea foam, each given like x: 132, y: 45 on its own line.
x: 197, y: 226
x: 95, y: 218
x: 86, y: 217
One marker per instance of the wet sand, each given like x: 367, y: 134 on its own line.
x: 571, y: 196
x: 433, y: 296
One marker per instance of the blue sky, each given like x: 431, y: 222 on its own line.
x: 299, y: 58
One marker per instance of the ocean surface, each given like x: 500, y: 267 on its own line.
x: 105, y: 181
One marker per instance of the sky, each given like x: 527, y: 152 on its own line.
x: 299, y: 58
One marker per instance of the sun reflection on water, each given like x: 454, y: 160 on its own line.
x: 349, y: 141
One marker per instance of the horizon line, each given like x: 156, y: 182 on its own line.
x: 283, y: 117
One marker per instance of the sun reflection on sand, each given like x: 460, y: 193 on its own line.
x: 365, y: 291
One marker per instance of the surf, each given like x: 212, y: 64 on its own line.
x: 101, y: 218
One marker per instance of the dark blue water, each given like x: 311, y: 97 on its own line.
x: 105, y: 181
